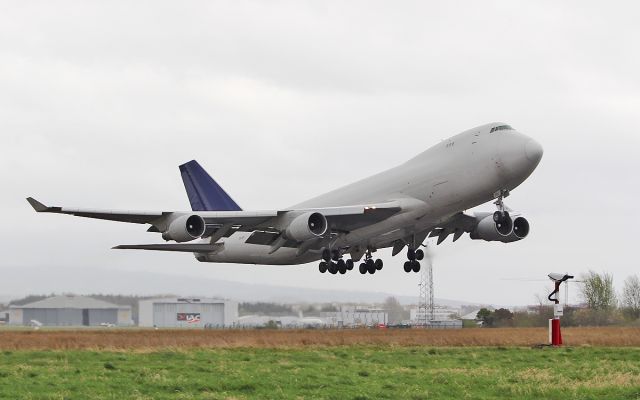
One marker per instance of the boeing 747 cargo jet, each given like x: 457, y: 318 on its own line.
x: 400, y: 208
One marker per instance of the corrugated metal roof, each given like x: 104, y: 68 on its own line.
x: 71, y: 302
x: 185, y: 300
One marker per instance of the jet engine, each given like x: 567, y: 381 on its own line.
x: 504, y: 230
x: 185, y: 228
x: 307, y: 226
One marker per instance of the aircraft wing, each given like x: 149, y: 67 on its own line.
x: 343, y: 219
x: 457, y: 225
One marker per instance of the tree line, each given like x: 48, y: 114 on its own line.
x: 601, y: 306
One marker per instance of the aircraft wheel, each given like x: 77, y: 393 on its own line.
x: 407, y: 266
x: 363, y: 268
x: 349, y: 265
x: 416, y: 266
x: 419, y: 255
x: 371, y: 267
x: 379, y: 264
x: 411, y: 254
x: 333, y: 268
x: 323, y: 267
x: 335, y: 255
x: 342, y: 267
x: 326, y: 255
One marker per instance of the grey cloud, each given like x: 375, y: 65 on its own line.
x: 280, y: 101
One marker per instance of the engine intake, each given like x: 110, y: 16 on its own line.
x: 185, y: 228
x: 521, y: 227
x: 307, y: 226
x: 505, y: 230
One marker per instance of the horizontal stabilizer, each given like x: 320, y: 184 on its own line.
x: 184, y: 247
x: 204, y: 192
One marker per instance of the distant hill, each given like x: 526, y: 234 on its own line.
x: 21, y: 282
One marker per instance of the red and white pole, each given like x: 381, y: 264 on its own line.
x: 555, y: 335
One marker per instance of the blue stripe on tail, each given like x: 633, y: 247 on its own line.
x: 204, y: 193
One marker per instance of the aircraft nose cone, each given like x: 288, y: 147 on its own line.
x: 533, y: 150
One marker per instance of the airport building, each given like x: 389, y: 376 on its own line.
x: 356, y: 317
x: 70, y: 311
x: 188, y: 313
x: 440, y: 313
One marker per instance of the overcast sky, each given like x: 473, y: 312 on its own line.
x: 281, y: 101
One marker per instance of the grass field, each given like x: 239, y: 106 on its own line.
x: 126, y: 339
x: 315, y: 365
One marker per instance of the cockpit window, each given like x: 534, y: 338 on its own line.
x: 501, y: 128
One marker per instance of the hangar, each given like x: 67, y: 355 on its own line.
x: 70, y: 311
x: 188, y: 313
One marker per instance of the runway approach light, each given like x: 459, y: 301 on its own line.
x: 555, y: 336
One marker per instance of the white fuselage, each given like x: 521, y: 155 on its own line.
x: 459, y: 173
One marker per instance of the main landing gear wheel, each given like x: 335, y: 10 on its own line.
x: 333, y: 268
x: 407, y: 266
x: 363, y: 268
x: 378, y: 264
x: 411, y: 266
x: 342, y: 267
x: 371, y: 266
x: 415, y: 266
x: 419, y: 255
x: 349, y: 265
x: 322, y: 267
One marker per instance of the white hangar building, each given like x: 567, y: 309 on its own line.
x: 188, y: 313
x: 70, y: 311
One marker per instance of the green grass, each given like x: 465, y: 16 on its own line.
x: 324, y: 373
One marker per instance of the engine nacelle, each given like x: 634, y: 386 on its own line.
x: 505, y: 232
x: 185, y: 228
x: 307, y: 226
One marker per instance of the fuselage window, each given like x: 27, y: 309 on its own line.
x: 501, y: 128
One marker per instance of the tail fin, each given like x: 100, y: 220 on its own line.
x: 204, y: 193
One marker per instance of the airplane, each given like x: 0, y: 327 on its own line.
x: 425, y: 197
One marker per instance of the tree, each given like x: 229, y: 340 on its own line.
x: 484, y: 315
x: 598, y: 292
x: 631, y: 296
x: 502, y: 317
x: 395, y: 310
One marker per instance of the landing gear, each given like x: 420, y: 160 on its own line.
x: 342, y: 266
x: 413, y: 264
x: 363, y: 268
x: 502, y: 219
x: 370, y: 265
x: 323, y: 267
x: 333, y: 268
x: 333, y: 263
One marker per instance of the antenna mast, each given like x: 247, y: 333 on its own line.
x: 426, y: 311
